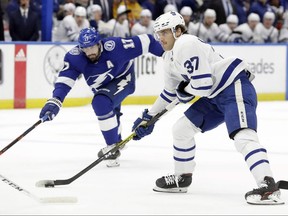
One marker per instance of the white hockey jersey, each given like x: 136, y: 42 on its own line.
x: 118, y: 29
x: 138, y: 29
x: 265, y: 35
x: 208, y: 34
x: 225, y: 28
x: 196, y: 62
x: 67, y: 31
x: 245, y: 32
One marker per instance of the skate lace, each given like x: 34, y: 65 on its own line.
x: 263, y: 187
x: 172, y: 179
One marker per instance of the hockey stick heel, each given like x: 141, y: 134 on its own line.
x: 282, y: 184
x: 45, y: 183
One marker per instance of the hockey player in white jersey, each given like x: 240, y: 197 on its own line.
x: 265, y: 32
x: 67, y: 31
x: 226, y: 94
x: 246, y: 30
x: 208, y: 30
x: 186, y: 13
x: 231, y: 23
x: 145, y: 24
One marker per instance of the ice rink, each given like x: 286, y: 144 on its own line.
x: 62, y: 148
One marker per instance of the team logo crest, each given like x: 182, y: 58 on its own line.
x: 75, y: 51
x: 53, y: 63
x: 109, y: 45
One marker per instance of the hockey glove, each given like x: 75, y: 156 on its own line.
x: 140, y: 128
x: 182, y: 95
x: 51, y: 109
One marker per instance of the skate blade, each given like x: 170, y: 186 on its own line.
x: 170, y: 190
x: 272, y: 200
x: 112, y: 163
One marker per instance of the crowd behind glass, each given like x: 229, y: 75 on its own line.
x: 228, y: 21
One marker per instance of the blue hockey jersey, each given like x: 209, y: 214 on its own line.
x: 116, y: 60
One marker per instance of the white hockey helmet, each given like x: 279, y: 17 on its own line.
x: 210, y: 13
x: 69, y: 7
x: 186, y: 11
x: 269, y: 15
x: 168, y: 20
x: 80, y: 11
x: 254, y: 17
x: 232, y: 18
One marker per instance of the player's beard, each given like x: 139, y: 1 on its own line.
x: 93, y: 57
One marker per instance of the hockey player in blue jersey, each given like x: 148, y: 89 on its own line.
x: 226, y: 94
x: 107, y: 66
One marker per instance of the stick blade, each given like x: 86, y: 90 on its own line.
x: 282, y: 184
x: 45, y: 183
x: 62, y: 200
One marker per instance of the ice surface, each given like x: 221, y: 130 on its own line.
x: 62, y: 148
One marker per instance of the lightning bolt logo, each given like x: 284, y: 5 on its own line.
x: 122, y: 84
x: 100, y: 79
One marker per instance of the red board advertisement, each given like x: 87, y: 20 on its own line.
x: 20, y: 76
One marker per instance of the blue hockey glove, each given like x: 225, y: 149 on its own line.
x: 183, y: 96
x: 139, y: 126
x: 51, y: 109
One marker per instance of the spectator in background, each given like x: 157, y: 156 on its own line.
x: 242, y: 8
x: 283, y: 33
x: 161, y: 4
x: 223, y: 9
x: 94, y: 15
x: 265, y: 32
x: 95, y: 19
x: 67, y: 30
x: 120, y: 26
x: 245, y: 31
x: 80, y: 16
x: 145, y: 24
x: 231, y: 23
x: 186, y: 13
x: 23, y: 23
x: 278, y: 9
x: 260, y: 7
x: 1, y: 24
x: 107, y: 9
x: 131, y: 5
x: 208, y: 30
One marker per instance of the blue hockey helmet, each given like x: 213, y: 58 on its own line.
x: 88, y: 37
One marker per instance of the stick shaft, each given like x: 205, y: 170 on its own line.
x: 21, y: 136
x: 119, y: 145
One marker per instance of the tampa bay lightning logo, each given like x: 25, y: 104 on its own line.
x: 109, y: 45
x: 53, y: 63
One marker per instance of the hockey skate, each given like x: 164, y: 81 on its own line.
x: 111, y: 159
x: 266, y: 194
x: 173, y: 183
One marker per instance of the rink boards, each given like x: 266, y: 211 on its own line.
x: 28, y: 72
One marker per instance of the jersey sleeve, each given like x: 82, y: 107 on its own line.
x: 132, y: 47
x: 66, y: 78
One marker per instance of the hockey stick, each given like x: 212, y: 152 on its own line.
x: 52, y: 183
x: 23, y: 134
x: 38, y: 199
x: 282, y: 184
